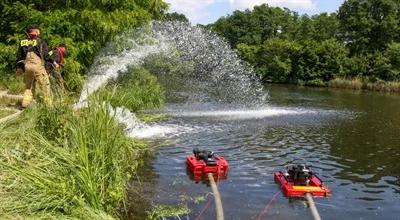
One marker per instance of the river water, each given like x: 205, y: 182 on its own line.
x: 352, y: 140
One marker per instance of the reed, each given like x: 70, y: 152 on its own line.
x: 364, y: 84
x: 76, y: 167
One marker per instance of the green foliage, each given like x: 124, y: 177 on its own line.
x: 393, y: 54
x: 82, y: 173
x: 11, y: 83
x: 152, y: 117
x: 317, y: 28
x: 320, y: 61
x: 254, y: 27
x: 374, y: 66
x: 362, y: 40
x: 136, y: 90
x: 275, y: 60
x: 51, y: 122
x: 84, y: 25
x: 175, y: 17
x: 163, y: 212
x: 369, y: 25
x: 5, y: 112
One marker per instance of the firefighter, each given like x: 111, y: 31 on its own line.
x: 54, y: 64
x: 31, y: 57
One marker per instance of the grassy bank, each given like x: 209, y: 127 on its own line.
x: 12, y: 83
x: 63, y: 163
x: 60, y: 163
x: 5, y: 112
x: 364, y: 84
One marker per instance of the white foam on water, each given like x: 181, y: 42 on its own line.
x: 138, y: 129
x: 243, y: 114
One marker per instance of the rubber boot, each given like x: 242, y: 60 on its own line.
x: 27, y: 98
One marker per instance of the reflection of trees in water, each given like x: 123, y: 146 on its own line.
x: 368, y: 145
x: 141, y: 190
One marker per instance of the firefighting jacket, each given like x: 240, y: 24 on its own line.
x: 38, y: 46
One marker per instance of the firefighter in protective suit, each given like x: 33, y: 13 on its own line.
x: 54, y: 64
x: 31, y: 57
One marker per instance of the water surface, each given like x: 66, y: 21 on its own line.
x: 352, y: 140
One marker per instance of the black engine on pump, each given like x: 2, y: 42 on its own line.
x: 206, y: 156
x: 299, y: 174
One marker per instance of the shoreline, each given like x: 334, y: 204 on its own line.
x: 356, y: 84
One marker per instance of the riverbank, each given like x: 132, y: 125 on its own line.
x: 358, y: 84
x: 363, y: 84
x: 60, y: 163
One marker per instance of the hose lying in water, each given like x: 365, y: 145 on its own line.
x: 310, y: 201
x: 313, y: 208
x: 217, y: 197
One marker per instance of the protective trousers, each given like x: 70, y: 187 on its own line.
x: 36, y: 81
x: 57, y: 82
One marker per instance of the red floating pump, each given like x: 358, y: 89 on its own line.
x: 203, y: 162
x: 299, y: 180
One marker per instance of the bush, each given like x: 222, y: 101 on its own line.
x: 275, y: 59
x: 136, y: 90
x: 320, y: 61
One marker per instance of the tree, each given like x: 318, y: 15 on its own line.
x: 369, y: 25
x: 175, y: 17
x: 276, y: 59
x: 158, y: 7
x: 321, y: 60
x: 256, y: 26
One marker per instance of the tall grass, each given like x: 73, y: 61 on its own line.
x: 341, y: 83
x: 11, y: 83
x: 76, y: 167
x: 5, y: 112
x: 365, y: 84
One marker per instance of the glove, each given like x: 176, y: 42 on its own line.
x: 55, y: 64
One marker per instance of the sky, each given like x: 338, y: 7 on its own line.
x: 208, y: 11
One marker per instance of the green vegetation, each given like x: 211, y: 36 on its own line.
x: 163, y: 212
x: 136, y: 90
x: 360, y: 42
x: 360, y: 83
x: 152, y: 117
x: 63, y: 163
x: 5, y: 112
x: 68, y: 21
x: 13, y: 84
